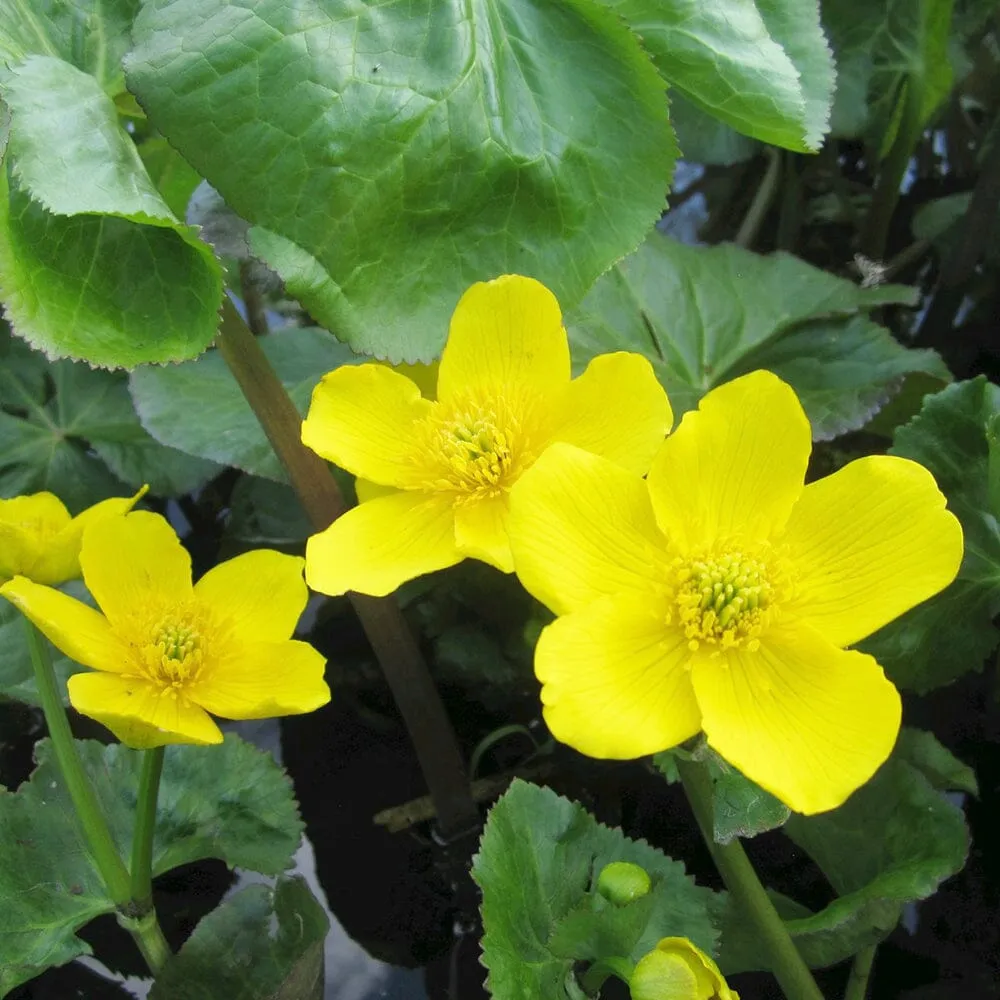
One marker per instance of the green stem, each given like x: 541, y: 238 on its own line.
x: 148, y: 936
x: 762, y: 200
x: 748, y: 894
x: 857, y: 982
x: 102, y: 847
x: 145, y: 827
x: 391, y: 639
x: 886, y: 193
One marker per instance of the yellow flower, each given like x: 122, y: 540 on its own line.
x: 677, y: 970
x: 167, y: 653
x: 39, y: 539
x: 436, y: 473
x: 719, y: 595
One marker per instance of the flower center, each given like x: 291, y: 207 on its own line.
x: 477, y: 448
x: 724, y: 600
x: 173, y: 657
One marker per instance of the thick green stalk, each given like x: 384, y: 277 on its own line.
x: 857, y: 983
x: 148, y: 936
x: 741, y: 880
x: 890, y: 176
x: 392, y: 641
x: 102, y: 847
x: 145, y: 827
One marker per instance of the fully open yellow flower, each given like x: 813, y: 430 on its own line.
x: 39, y: 539
x: 718, y: 595
x: 166, y: 653
x: 436, y: 474
x: 676, y: 969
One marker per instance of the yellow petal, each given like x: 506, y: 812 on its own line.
x: 481, y: 531
x: 735, y: 466
x: 505, y: 333
x: 139, y: 713
x: 867, y: 544
x: 362, y: 418
x: 257, y: 596
x: 374, y: 548
x: 134, y: 562
x: 77, y: 630
x: 261, y: 680
x: 582, y: 527
x: 617, y: 409
x: 61, y: 559
x: 28, y: 526
x: 805, y: 720
x: 615, y: 680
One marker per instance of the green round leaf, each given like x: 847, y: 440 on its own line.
x: 762, y: 66
x: 704, y: 315
x: 538, y: 866
x: 93, y: 264
x: 263, y: 943
x: 396, y: 153
x: 230, y: 802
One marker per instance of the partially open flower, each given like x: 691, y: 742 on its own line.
x: 39, y: 539
x: 677, y: 970
x: 166, y: 653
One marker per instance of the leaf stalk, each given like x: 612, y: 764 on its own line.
x: 741, y: 880
x: 97, y: 834
x: 145, y: 827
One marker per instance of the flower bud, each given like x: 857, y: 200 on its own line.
x: 622, y: 882
x: 676, y: 970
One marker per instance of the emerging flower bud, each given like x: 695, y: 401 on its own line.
x: 622, y: 882
x: 676, y: 970
x: 39, y: 540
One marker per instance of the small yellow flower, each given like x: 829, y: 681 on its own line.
x: 719, y: 594
x: 39, y: 539
x: 167, y: 653
x: 435, y: 474
x: 677, y: 970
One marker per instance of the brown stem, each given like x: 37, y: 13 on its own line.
x: 394, y: 644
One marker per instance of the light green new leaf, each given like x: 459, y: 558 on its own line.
x: 400, y: 151
x: 230, y: 802
x: 892, y: 842
x: 92, y: 35
x: 952, y: 633
x: 93, y: 263
x: 198, y: 408
x: 80, y: 439
x: 537, y: 865
x: 263, y: 943
x: 705, y: 315
x: 882, y: 48
x: 762, y: 66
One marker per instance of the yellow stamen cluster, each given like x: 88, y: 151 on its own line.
x: 175, y: 653
x: 723, y: 599
x: 476, y: 448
